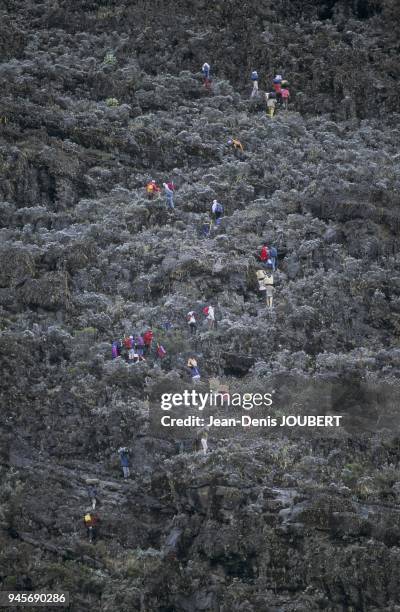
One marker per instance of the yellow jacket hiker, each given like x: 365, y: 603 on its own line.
x: 236, y: 144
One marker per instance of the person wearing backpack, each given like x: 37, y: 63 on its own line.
x: 266, y: 283
x: 237, y: 146
x: 194, y: 370
x: 114, y: 350
x: 91, y: 521
x: 124, y: 459
x: 139, y: 345
x: 191, y: 319
x: 273, y: 255
x: 269, y: 286
x: 160, y: 351
x: 169, y: 194
x: 264, y: 255
x: 148, y: 339
x: 277, y: 83
x: 254, y: 79
x: 271, y: 103
x: 152, y: 189
x: 277, y: 87
x: 217, y: 211
x: 210, y: 316
x: 260, y: 277
x: 128, y: 342
x: 285, y: 93
x: 206, y: 75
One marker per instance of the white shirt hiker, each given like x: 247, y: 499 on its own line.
x: 211, y: 313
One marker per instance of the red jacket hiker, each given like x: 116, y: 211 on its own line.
x: 264, y: 254
x: 148, y: 337
x: 128, y: 342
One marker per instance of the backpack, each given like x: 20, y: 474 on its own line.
x: 219, y: 208
x: 254, y: 75
x: 147, y: 338
x: 161, y: 352
x: 273, y: 252
x: 205, y: 310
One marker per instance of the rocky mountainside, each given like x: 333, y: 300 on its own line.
x: 99, y: 97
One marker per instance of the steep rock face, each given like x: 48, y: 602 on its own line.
x: 98, y: 98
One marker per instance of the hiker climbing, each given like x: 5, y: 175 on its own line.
x: 264, y: 255
x: 128, y: 342
x: 152, y: 189
x: 210, y: 316
x: 217, y: 210
x: 148, y: 339
x: 269, y: 285
x: 268, y: 256
x: 124, y: 459
x: 192, y: 321
x: 169, y: 194
x: 254, y: 79
x: 115, y: 349
x: 202, y: 441
x: 273, y: 256
x: 236, y: 145
x: 92, y: 493
x: 266, y: 283
x: 206, y: 75
x: 160, y: 351
x: 271, y: 103
x: 139, y: 345
x: 91, y: 521
x: 194, y: 370
x: 277, y: 87
x: 285, y: 93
